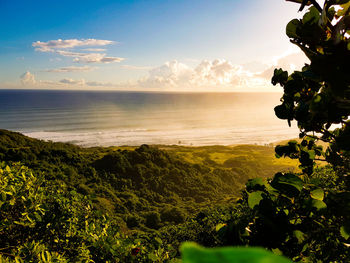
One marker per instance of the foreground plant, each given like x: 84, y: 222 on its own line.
x: 306, y: 216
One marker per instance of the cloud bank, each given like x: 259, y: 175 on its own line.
x: 215, y: 75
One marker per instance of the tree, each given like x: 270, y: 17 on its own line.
x: 306, y: 215
x: 318, y: 96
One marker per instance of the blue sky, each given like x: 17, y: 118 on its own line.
x: 175, y: 44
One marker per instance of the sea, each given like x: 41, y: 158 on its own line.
x: 119, y: 118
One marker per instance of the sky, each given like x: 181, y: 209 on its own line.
x: 170, y: 45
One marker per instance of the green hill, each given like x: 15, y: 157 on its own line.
x: 146, y: 187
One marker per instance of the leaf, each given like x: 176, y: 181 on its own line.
x: 158, y: 240
x: 276, y: 251
x: 220, y: 226
x: 317, y: 194
x: 312, y: 154
x: 256, y: 182
x: 193, y: 253
x: 254, y: 198
x: 312, y: 16
x: 281, y: 112
x: 291, y: 29
x: 318, y: 204
x: 345, y: 231
x: 300, y: 236
x: 153, y: 257
x: 344, y: 9
x: 287, y: 179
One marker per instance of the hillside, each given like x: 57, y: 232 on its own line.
x: 146, y: 187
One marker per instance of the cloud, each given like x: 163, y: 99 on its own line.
x: 100, y: 84
x: 288, y: 62
x: 68, y: 43
x: 71, y: 69
x: 27, y: 79
x: 95, y: 49
x: 215, y: 74
x: 208, y: 75
x: 65, y: 49
x: 72, y: 81
x: 131, y: 67
x: 89, y: 57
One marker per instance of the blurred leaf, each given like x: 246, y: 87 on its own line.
x: 193, y: 253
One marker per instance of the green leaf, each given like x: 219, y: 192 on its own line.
x: 345, y: 231
x: 312, y: 16
x: 300, y: 236
x: 312, y: 154
x: 193, y: 253
x: 318, y: 204
x: 287, y: 179
x: 158, y: 240
x: 220, y: 226
x: 276, y: 251
x: 256, y: 182
x: 153, y: 257
x: 344, y: 9
x: 317, y: 194
x: 254, y: 198
x: 291, y: 29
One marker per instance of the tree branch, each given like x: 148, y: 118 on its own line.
x: 307, y: 3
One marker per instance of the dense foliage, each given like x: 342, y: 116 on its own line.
x: 144, y: 187
x: 63, y: 202
x: 306, y: 215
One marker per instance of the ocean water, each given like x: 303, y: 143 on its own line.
x: 106, y: 118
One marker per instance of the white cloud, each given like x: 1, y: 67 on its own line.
x: 64, y: 48
x: 73, y: 82
x: 217, y: 74
x: 95, y: 49
x: 89, y: 57
x: 288, y: 62
x: 100, y: 84
x: 27, y: 79
x: 69, y: 43
x: 132, y: 67
x: 71, y: 69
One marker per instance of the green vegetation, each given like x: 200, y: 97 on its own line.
x: 63, y: 203
x: 192, y: 253
x: 144, y: 188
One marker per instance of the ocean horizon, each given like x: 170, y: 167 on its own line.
x: 116, y: 118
